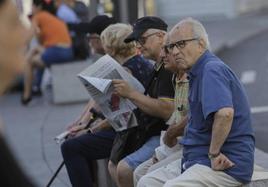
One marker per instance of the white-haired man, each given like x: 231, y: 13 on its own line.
x: 218, y: 143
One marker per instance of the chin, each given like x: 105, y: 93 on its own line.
x: 167, y: 67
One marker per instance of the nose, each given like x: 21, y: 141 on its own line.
x: 175, y: 51
x: 138, y: 45
x: 162, y: 53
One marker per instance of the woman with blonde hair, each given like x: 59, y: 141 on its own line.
x: 80, y: 151
x: 125, y: 53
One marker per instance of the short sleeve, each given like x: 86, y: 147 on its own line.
x: 216, y: 88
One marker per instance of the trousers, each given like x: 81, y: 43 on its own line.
x: 79, y: 152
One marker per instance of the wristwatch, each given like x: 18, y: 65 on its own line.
x: 212, y: 156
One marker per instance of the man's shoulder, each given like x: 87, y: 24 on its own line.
x: 165, y: 73
x: 215, y: 65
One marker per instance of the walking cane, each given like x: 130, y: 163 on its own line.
x: 64, y: 135
x: 55, y: 174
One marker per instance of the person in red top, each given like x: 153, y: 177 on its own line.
x: 55, y: 46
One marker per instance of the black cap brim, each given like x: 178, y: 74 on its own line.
x: 135, y: 35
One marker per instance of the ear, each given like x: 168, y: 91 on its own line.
x: 202, y: 43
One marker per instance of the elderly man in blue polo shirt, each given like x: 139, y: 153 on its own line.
x: 218, y: 143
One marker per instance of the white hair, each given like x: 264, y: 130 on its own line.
x: 199, y: 30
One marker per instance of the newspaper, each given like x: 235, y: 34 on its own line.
x: 97, y: 79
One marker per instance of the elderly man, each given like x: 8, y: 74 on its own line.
x: 218, y: 144
x: 169, y: 150
x: 148, y: 32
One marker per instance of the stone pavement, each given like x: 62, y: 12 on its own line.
x: 30, y: 130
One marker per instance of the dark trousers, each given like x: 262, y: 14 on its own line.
x: 79, y: 152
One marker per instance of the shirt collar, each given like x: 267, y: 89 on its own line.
x: 197, y: 67
x: 157, y: 66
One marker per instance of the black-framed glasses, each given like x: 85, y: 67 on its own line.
x: 179, y: 44
x: 165, y: 48
x: 142, y: 40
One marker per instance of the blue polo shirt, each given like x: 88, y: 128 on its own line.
x: 213, y: 86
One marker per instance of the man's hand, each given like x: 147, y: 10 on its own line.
x: 221, y: 163
x: 170, y: 137
x: 122, y: 88
x: 154, y: 159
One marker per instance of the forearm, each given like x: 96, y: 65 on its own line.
x: 221, y: 127
x: 179, y: 127
x: 86, y: 115
x: 151, y: 106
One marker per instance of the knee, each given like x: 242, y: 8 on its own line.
x: 68, y: 147
x: 143, y: 181
x: 123, y: 170
x: 111, y: 167
x: 136, y: 175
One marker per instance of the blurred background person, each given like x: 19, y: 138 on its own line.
x: 80, y: 8
x: 65, y: 12
x: 12, y: 46
x: 55, y: 47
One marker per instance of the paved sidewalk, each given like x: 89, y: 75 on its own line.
x: 30, y: 130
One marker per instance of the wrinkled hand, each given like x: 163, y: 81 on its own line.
x: 122, y: 88
x: 76, y: 130
x: 70, y: 126
x: 170, y: 139
x: 221, y: 162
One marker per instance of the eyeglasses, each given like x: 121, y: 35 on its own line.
x: 142, y: 39
x: 179, y: 44
x: 165, y: 48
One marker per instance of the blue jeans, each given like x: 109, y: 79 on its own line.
x: 144, y: 153
x: 79, y: 152
x: 53, y: 55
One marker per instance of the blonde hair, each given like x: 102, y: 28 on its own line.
x: 113, y: 38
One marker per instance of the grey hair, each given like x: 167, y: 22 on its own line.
x: 199, y: 30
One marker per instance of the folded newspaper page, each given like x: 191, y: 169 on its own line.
x: 97, y: 79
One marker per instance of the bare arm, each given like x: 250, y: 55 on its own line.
x: 174, y: 131
x: 161, y: 107
x: 156, y: 107
x: 221, y: 127
x: 85, y: 117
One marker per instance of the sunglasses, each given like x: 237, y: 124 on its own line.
x: 179, y: 44
x: 142, y: 40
